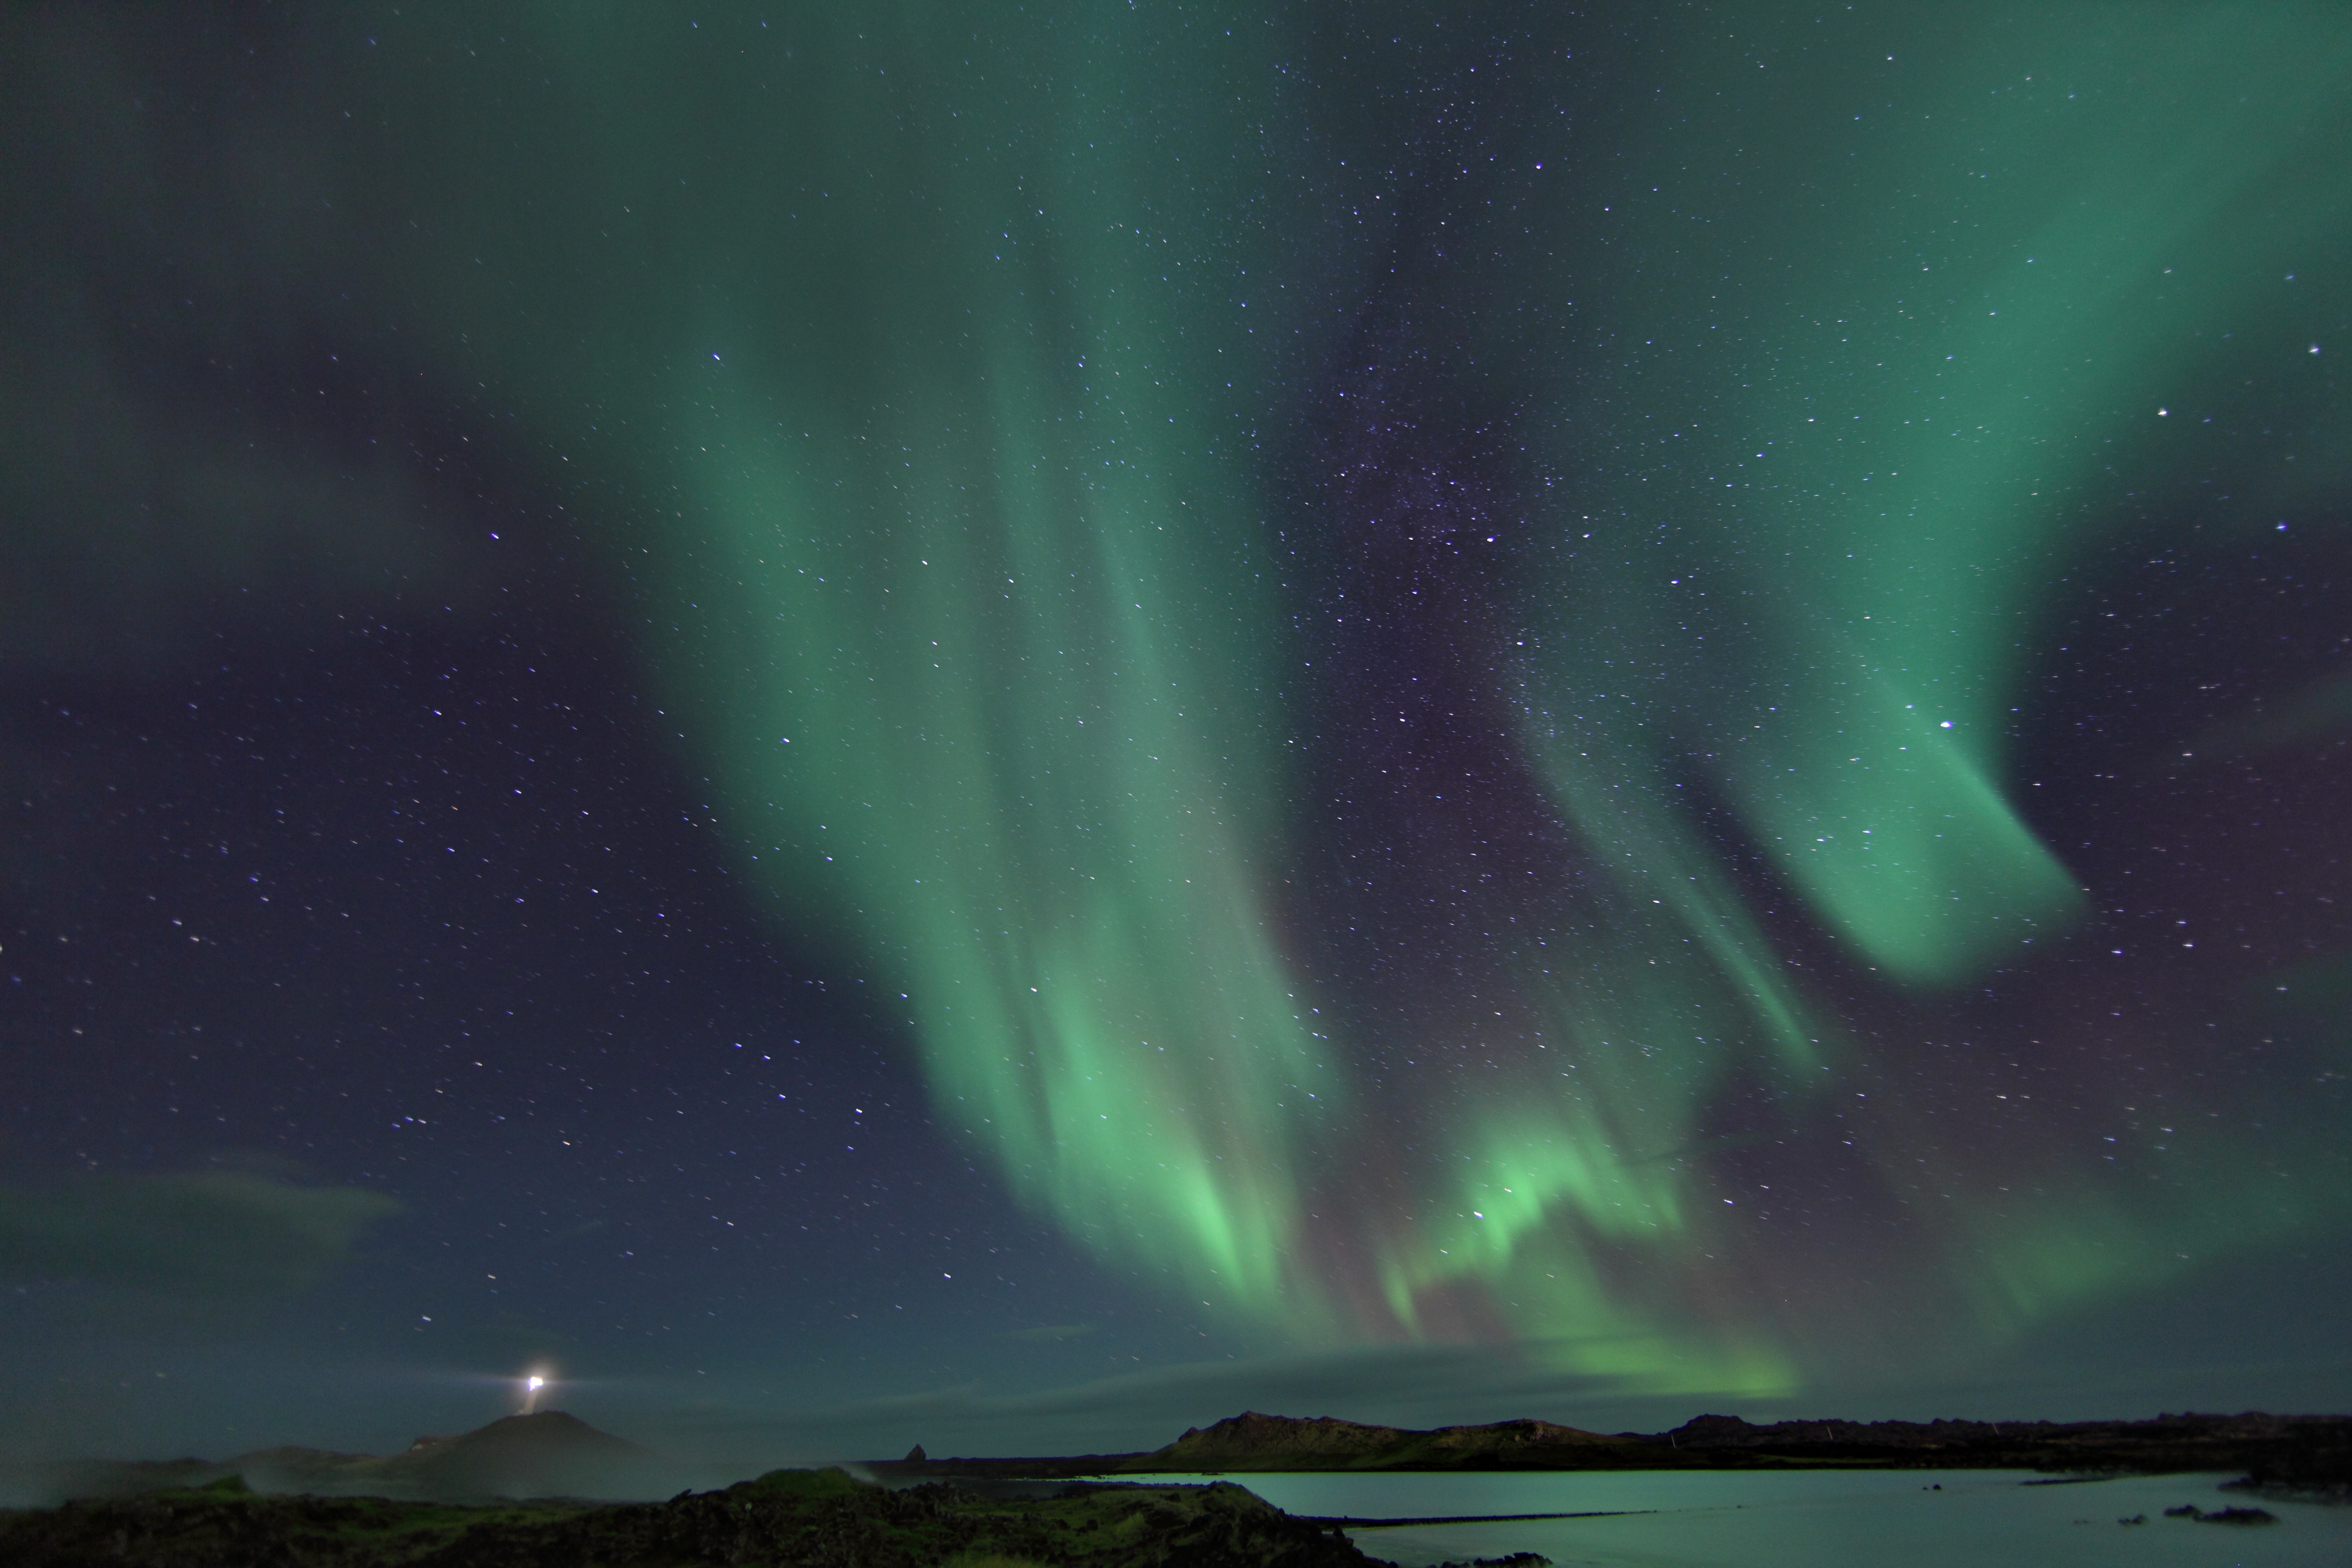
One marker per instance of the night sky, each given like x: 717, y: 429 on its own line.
x: 1011, y: 726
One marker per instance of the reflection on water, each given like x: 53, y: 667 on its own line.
x: 1815, y: 1518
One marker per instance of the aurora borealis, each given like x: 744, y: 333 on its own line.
x: 1654, y: 697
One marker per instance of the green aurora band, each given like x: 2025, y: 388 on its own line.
x: 947, y: 449
x: 1892, y: 418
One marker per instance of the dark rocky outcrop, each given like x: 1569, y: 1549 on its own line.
x: 2222, y: 1515
x: 2317, y: 1469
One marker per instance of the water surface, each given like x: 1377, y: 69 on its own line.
x: 1814, y: 1519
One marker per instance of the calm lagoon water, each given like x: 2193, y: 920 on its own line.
x: 1816, y: 1519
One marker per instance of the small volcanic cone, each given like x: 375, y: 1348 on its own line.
x: 547, y: 1455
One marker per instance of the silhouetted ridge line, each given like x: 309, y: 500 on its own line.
x: 2305, y: 1452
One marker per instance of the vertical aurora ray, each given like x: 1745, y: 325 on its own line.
x: 996, y: 700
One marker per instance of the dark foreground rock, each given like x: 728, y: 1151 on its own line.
x: 2222, y: 1515
x: 788, y: 1519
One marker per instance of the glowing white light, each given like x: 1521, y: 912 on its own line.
x: 536, y: 1384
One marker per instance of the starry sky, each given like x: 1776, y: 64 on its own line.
x: 1010, y: 726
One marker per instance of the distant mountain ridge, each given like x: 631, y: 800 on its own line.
x: 1252, y: 1442
x: 2305, y: 1452
x: 2312, y: 1450
x: 554, y: 1454
x: 551, y: 1454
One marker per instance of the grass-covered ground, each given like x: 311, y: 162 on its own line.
x: 807, y: 1518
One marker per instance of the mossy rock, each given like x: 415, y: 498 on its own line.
x: 831, y: 1481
